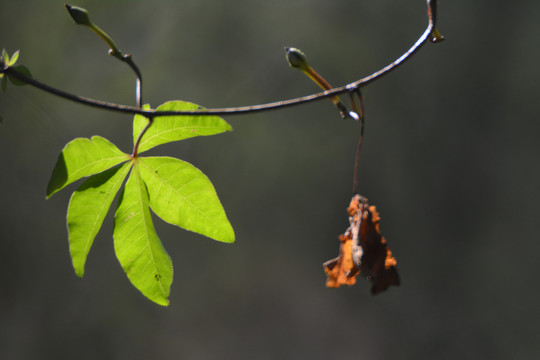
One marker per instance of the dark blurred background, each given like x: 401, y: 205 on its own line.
x: 450, y: 159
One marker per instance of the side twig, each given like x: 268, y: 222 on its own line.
x: 81, y: 17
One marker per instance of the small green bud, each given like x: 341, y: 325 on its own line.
x: 296, y: 58
x: 79, y: 15
x: 436, y: 37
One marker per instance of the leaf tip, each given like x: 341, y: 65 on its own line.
x: 227, y: 237
x: 231, y: 239
x: 162, y: 301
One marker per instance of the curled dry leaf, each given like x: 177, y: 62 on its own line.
x: 363, y: 250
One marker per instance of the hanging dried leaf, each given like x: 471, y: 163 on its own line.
x: 363, y: 250
x: 342, y: 270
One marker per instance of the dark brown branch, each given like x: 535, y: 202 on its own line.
x: 152, y: 113
x: 138, y: 88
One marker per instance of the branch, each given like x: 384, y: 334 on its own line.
x: 430, y: 34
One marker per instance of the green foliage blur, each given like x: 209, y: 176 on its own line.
x: 449, y: 158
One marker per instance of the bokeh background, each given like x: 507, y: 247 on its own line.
x: 450, y: 159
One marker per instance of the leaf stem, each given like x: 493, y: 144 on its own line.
x: 135, y: 152
x: 361, y: 114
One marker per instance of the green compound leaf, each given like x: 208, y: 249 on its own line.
x: 182, y: 195
x: 167, y: 129
x: 137, y: 246
x: 87, y: 208
x: 81, y: 158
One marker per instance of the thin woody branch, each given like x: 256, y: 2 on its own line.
x: 430, y: 34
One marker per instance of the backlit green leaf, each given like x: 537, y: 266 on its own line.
x: 14, y: 58
x: 137, y: 245
x: 87, y: 208
x: 5, y: 57
x: 81, y: 158
x: 182, y: 195
x: 166, y: 129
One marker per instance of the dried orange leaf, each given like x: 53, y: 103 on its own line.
x: 363, y: 250
x: 341, y: 270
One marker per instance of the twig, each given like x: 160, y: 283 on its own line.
x: 81, y: 17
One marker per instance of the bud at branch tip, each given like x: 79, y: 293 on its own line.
x: 296, y: 58
x: 79, y: 15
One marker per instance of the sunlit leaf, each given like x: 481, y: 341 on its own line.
x: 137, y: 245
x: 5, y: 57
x: 81, y: 158
x: 14, y: 58
x: 166, y: 129
x: 182, y: 195
x: 87, y: 208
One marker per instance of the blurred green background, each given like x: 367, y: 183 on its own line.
x: 450, y: 159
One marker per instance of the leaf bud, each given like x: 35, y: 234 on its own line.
x: 79, y: 15
x: 296, y: 58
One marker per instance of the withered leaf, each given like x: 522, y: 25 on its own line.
x: 363, y: 250
x: 342, y: 270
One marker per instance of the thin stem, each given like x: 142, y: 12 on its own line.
x: 427, y: 35
x: 129, y: 60
x: 135, y: 152
x: 81, y: 17
x: 326, y: 86
x: 138, y: 89
x: 361, y: 113
x: 114, y: 51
